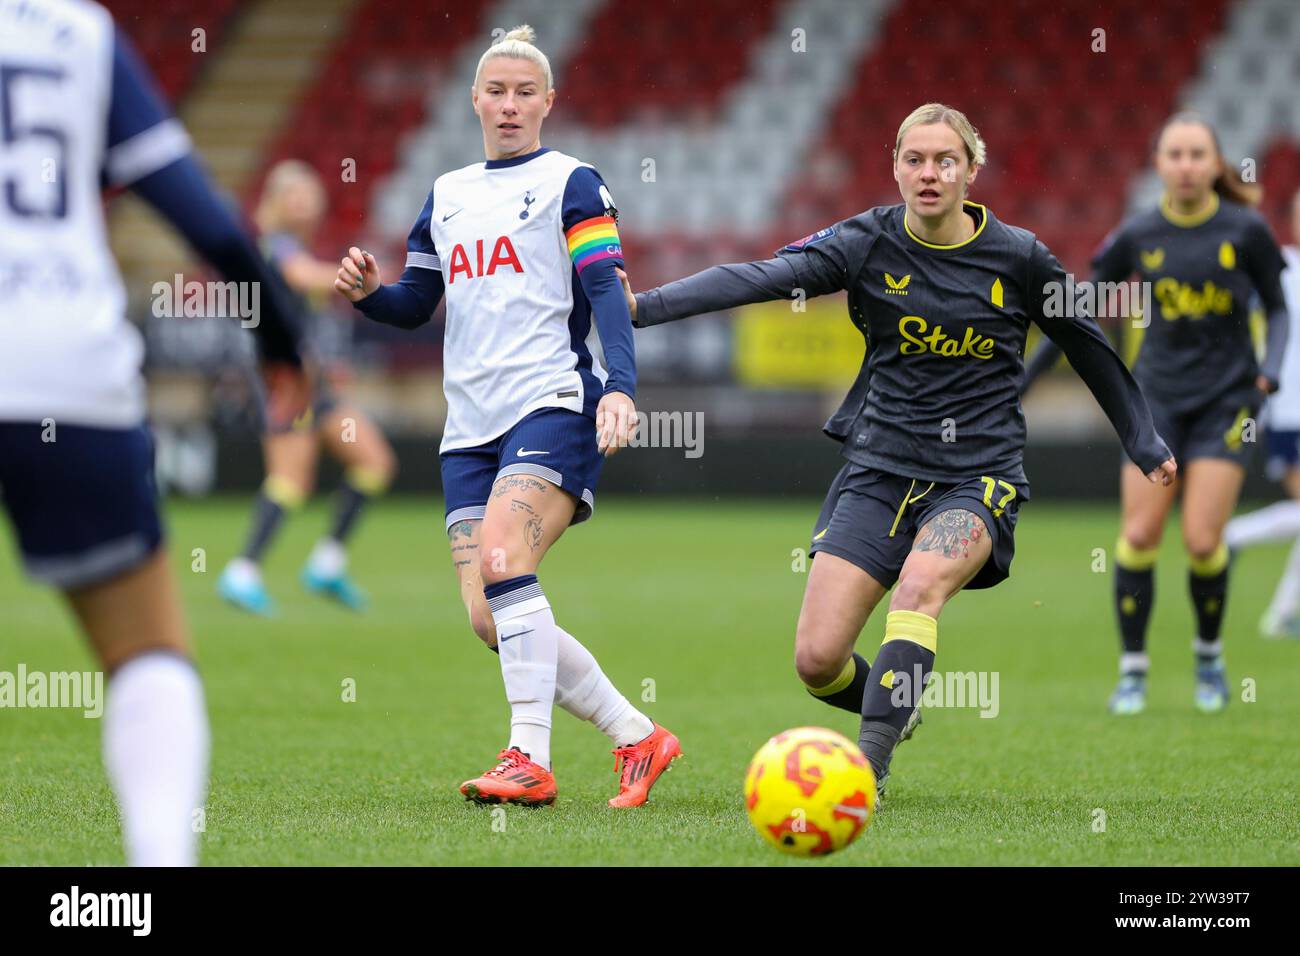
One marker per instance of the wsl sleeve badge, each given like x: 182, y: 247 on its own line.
x: 608, y: 200
x: 799, y: 245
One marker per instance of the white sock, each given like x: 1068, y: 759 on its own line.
x: 244, y: 571
x: 1134, y: 663
x: 156, y: 752
x: 582, y: 689
x: 1207, y: 648
x: 1277, y: 522
x: 328, y: 559
x: 527, y: 641
x: 1286, y: 599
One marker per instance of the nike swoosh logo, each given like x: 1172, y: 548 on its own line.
x: 818, y: 535
x: 527, y: 454
x: 456, y: 213
x: 508, y: 637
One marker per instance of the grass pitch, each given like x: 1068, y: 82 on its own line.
x: 692, y: 604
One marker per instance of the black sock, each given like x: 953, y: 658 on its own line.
x: 266, y: 519
x: 849, y: 697
x: 1209, y: 594
x: 1135, y: 593
x: 347, y: 510
x: 898, y: 674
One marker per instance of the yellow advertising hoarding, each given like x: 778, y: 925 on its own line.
x: 777, y: 347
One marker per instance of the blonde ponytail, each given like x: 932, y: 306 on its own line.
x: 519, y: 44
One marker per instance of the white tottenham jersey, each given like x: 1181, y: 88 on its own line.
x: 1284, y: 404
x: 510, y: 239
x: 67, y: 351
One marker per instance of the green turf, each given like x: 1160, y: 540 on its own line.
x: 697, y: 602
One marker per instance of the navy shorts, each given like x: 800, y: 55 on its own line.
x: 551, y: 443
x: 870, y: 518
x: 84, y: 505
x: 1283, y: 447
x: 1215, y: 430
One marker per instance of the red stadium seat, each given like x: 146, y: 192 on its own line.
x: 369, y: 46
x: 1066, y: 127
x: 684, y: 54
x: 159, y: 28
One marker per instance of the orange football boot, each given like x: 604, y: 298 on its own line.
x: 516, y: 779
x: 642, y: 764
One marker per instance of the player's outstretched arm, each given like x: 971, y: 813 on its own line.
x: 408, y: 303
x: 715, y: 289
x: 819, y: 264
x: 149, y: 152
x: 1102, y: 370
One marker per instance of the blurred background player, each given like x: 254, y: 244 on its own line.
x: 911, y: 506
x: 524, y: 246
x: 76, y: 459
x: 1206, y: 254
x: 1281, y: 521
x: 292, y: 205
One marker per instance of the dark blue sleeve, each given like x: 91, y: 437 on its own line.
x: 587, y: 197
x: 142, y: 136
x: 410, y: 302
x: 183, y: 195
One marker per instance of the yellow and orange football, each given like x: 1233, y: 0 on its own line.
x: 810, y: 791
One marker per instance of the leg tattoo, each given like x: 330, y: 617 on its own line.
x: 951, y: 534
x: 463, y: 552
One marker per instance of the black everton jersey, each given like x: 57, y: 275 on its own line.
x: 1203, y: 272
x: 938, y: 394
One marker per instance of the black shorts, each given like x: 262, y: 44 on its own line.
x: 870, y: 518
x: 1214, y: 430
x: 83, y: 500
x: 323, y: 401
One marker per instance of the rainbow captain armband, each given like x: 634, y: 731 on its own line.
x: 594, y: 240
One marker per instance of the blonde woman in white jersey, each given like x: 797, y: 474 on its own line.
x: 1281, y: 521
x: 524, y: 246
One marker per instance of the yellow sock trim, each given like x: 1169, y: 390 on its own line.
x: 367, y: 480
x: 1135, y: 559
x: 1209, y: 567
x: 912, y: 626
x: 839, y: 683
x: 283, y: 492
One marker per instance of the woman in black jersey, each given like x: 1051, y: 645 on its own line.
x: 1204, y: 253
x: 932, y: 429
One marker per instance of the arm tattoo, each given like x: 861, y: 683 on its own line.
x: 521, y: 482
x: 951, y: 534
